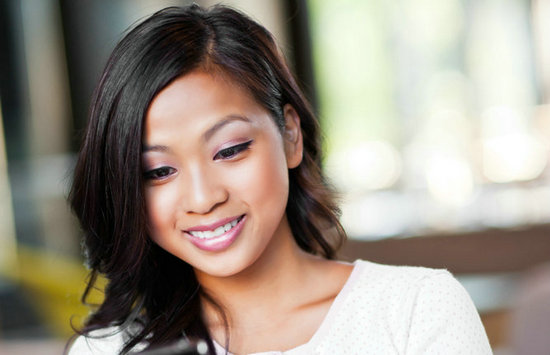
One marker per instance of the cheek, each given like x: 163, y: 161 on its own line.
x: 161, y: 205
x: 265, y: 180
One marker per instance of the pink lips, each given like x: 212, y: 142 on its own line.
x: 220, y: 242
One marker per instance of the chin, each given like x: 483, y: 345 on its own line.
x: 222, y: 270
x: 227, y: 266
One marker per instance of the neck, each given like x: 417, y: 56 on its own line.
x: 263, y: 287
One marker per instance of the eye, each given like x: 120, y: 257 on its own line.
x: 230, y: 152
x: 159, y: 173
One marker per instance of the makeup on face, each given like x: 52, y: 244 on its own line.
x: 218, y: 236
x: 216, y: 175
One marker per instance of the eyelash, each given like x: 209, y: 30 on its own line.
x: 159, y: 173
x: 227, y: 153
x: 230, y: 152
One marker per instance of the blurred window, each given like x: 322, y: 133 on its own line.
x: 435, y: 113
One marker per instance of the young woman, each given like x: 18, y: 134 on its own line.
x: 199, y: 190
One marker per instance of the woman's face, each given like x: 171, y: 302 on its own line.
x: 216, y: 171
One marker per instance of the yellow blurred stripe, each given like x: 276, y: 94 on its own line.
x: 55, y: 284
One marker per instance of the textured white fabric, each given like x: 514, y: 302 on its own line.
x: 397, y: 310
x: 102, y: 342
x: 381, y: 310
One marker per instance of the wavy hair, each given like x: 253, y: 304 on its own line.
x: 146, y: 284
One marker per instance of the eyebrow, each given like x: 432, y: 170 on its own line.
x: 154, y: 148
x: 226, y: 120
x: 207, y: 135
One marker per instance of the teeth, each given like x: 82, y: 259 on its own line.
x: 216, y: 232
x: 226, y: 227
x: 207, y: 234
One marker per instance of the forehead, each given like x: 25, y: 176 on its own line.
x: 199, y: 89
x: 195, y: 101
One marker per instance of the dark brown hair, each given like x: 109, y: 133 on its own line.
x: 146, y: 284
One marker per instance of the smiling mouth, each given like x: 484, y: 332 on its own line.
x: 209, y: 234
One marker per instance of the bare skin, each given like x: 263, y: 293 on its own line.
x: 279, y: 303
x: 213, y: 155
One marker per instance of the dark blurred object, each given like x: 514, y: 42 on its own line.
x: 181, y: 347
x: 488, y: 251
x: 19, y: 318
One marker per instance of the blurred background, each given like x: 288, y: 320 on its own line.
x: 436, y: 116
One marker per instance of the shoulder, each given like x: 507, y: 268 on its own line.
x: 109, y: 340
x: 378, y: 292
x: 372, y: 282
x: 404, y: 275
x: 407, y: 288
x: 413, y: 310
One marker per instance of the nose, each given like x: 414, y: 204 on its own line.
x: 204, y: 191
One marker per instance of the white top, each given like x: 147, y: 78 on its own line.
x: 381, y: 310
